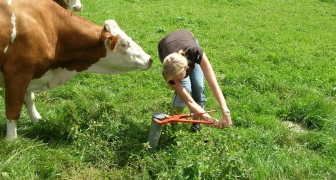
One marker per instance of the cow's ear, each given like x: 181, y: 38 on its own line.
x: 112, y: 42
x: 110, y: 24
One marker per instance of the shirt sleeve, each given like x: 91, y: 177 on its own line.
x: 195, y: 54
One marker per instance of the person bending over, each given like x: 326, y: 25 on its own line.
x: 184, y: 67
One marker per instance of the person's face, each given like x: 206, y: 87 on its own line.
x: 177, y: 78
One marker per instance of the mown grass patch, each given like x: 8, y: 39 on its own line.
x: 274, y: 61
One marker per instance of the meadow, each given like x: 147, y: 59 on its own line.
x: 274, y: 59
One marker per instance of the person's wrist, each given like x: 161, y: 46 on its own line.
x: 213, y: 120
x: 226, y: 111
x: 206, y: 116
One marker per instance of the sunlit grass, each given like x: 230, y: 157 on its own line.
x: 274, y: 61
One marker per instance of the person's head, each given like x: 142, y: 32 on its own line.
x: 174, y: 67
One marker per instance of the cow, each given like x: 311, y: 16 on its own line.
x: 72, y: 5
x: 43, y: 45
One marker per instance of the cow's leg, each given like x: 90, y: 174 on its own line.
x: 34, y: 116
x: 11, y: 129
x: 29, y: 99
x: 13, y: 114
x: 16, y: 84
x: 13, y: 110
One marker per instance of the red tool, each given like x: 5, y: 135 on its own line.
x: 180, y: 118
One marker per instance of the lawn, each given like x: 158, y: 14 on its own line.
x: 275, y: 62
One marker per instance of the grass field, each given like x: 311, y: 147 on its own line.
x: 275, y: 62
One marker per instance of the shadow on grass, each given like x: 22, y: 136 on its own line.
x: 104, y: 137
x: 130, y: 140
x: 47, y: 131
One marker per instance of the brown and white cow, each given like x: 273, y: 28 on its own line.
x: 72, y: 5
x: 42, y: 46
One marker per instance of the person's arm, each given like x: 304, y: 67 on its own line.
x: 217, y: 92
x: 192, y: 105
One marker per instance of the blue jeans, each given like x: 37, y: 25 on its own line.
x: 194, y: 84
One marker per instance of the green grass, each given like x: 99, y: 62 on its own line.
x: 275, y: 62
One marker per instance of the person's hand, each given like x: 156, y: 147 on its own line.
x: 211, y: 119
x: 225, y: 121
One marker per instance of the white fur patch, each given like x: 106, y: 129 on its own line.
x: 51, y: 79
x: 6, y: 48
x: 110, y: 25
x: 13, y: 20
x: 32, y: 111
x: 11, y: 129
x: 74, y: 5
x: 9, y: 2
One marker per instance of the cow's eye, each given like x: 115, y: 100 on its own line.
x: 125, y: 44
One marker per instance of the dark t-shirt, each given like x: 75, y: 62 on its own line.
x: 181, y: 40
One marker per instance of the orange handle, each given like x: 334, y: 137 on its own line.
x: 184, y: 121
x: 178, y: 118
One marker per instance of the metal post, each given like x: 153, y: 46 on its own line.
x: 155, y: 130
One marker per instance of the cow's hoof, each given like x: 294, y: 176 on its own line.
x: 10, y: 138
x: 35, y: 120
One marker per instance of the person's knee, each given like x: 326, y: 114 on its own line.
x: 200, y: 87
x: 202, y: 104
x: 198, y: 93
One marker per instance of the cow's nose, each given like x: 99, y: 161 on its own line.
x: 78, y: 8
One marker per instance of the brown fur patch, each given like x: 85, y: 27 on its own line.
x: 112, y: 42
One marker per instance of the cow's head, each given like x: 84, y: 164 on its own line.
x: 123, y: 54
x: 74, y: 5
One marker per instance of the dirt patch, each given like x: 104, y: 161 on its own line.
x: 295, y: 127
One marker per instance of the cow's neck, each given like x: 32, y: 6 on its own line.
x: 79, y: 43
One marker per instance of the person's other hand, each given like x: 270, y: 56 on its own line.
x: 225, y: 121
